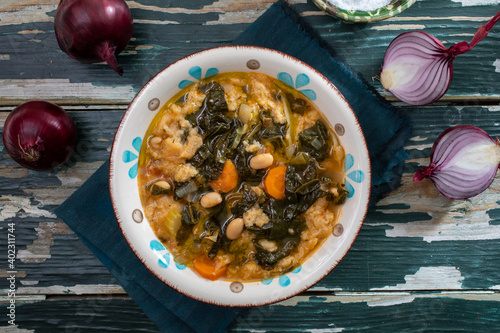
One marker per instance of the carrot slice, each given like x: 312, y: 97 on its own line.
x: 274, y: 182
x: 208, y: 268
x: 227, y: 180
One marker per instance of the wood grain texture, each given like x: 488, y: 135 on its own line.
x: 347, y: 313
x: 165, y: 33
x: 430, y: 238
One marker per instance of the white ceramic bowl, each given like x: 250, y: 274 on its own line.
x: 125, y: 194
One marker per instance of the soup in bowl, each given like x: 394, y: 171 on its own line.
x: 250, y: 179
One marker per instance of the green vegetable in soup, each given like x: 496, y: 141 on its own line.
x: 218, y: 129
x: 298, y: 105
x: 212, y: 111
x: 160, y: 187
x: 268, y: 259
x: 223, y: 137
x: 189, y: 218
x: 314, y: 140
x: 273, y: 230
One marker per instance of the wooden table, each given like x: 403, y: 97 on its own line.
x: 421, y: 262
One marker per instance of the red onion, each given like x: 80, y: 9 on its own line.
x: 418, y: 68
x: 464, y: 162
x: 91, y: 31
x: 39, y: 135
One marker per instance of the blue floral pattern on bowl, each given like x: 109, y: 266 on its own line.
x: 165, y: 261
x: 301, y: 80
x: 131, y: 156
x: 166, y: 258
x: 356, y: 175
x: 283, y: 280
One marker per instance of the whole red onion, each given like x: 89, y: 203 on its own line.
x: 39, y: 135
x: 91, y: 31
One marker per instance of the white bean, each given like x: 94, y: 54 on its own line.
x: 210, y: 199
x: 234, y: 228
x: 163, y: 184
x: 261, y: 161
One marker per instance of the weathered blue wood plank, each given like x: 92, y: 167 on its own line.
x: 164, y: 33
x: 301, y: 314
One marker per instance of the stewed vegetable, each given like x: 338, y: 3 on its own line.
x: 255, y: 176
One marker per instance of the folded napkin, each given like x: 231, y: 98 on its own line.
x: 89, y: 213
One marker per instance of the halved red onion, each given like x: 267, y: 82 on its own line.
x: 418, y: 68
x: 464, y: 162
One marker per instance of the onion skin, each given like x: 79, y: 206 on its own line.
x: 91, y: 31
x: 39, y: 135
x: 464, y: 162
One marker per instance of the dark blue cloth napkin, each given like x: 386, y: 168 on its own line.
x: 90, y: 215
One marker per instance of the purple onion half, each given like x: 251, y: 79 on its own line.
x: 464, y: 161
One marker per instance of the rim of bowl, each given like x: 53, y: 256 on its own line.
x: 188, y: 293
x: 396, y: 7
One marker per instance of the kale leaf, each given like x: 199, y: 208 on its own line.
x: 189, y: 217
x: 268, y: 260
x: 248, y: 199
x: 302, y: 185
x: 214, y: 105
x: 314, y: 141
x: 218, y: 131
x: 283, y: 218
x: 297, y: 105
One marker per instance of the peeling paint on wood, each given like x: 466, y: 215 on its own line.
x: 14, y: 206
x: 63, y: 90
x: 374, y: 299
x: 477, y: 2
x: 448, y: 219
x: 26, y: 32
x: 16, y: 329
x: 431, y: 278
x: 39, y: 251
x: 23, y: 299
x: 79, y: 173
x: 440, y: 18
x: 16, y: 12
x: 19, y: 274
x: 496, y: 64
x: 400, y: 27
x: 87, y: 289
